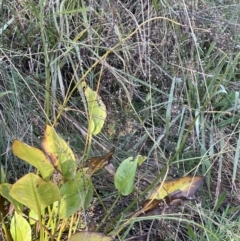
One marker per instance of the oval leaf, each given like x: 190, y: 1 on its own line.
x: 75, y: 194
x: 59, y: 152
x: 20, y: 228
x: 187, y: 185
x: 96, y: 110
x: 125, y: 174
x: 90, y: 236
x: 33, y: 156
x: 35, y: 193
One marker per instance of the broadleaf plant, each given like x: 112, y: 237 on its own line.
x: 40, y: 193
x: 5, y: 192
x: 34, y: 157
x: 59, y: 152
x: 35, y: 193
x: 124, y: 178
x: 96, y: 110
x: 74, y: 192
x: 20, y: 234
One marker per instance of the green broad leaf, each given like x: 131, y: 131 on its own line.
x: 96, y: 110
x: 68, y: 168
x: 75, y: 194
x: 124, y: 178
x: 35, y: 193
x: 90, y: 236
x: 35, y: 157
x: 20, y: 228
x: 4, y: 191
x: 58, y: 151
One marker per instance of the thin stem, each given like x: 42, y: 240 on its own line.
x: 109, y: 212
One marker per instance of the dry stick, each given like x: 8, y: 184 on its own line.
x: 104, y: 57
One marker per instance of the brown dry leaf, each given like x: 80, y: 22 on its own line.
x: 98, y: 162
x: 175, y: 203
x: 187, y: 185
x: 171, y: 194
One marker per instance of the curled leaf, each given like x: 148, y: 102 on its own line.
x: 171, y: 194
x: 98, y: 162
x: 188, y: 185
x: 156, y: 206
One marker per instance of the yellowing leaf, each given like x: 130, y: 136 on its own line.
x: 23, y: 233
x: 96, y: 110
x: 34, y: 192
x: 90, y: 236
x: 33, y: 156
x: 187, y: 185
x: 98, y: 162
x: 58, y: 151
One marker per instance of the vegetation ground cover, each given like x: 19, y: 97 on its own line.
x: 168, y: 73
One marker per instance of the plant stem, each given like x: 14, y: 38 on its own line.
x: 109, y: 212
